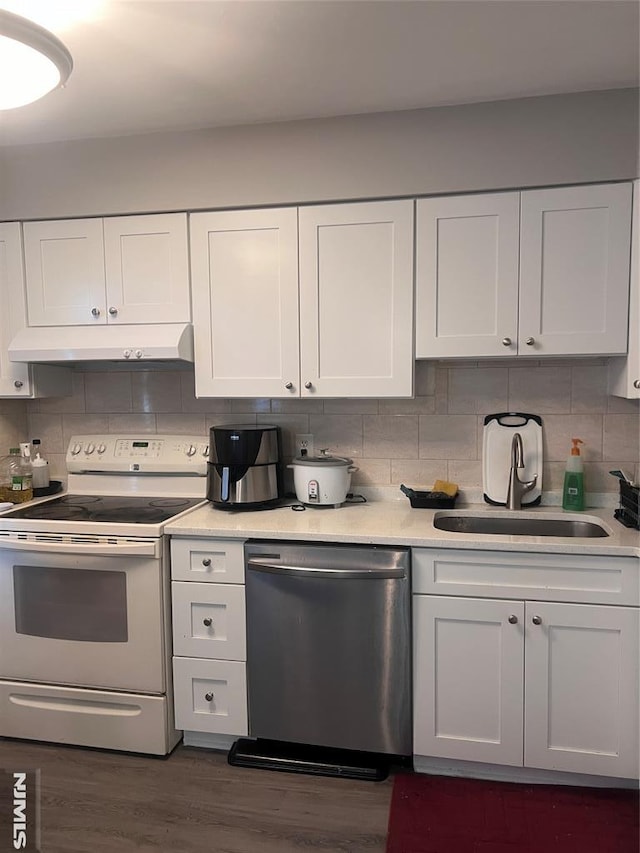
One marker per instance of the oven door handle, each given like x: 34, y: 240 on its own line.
x: 98, y: 549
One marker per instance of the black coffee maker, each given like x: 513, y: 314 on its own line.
x: 244, y: 471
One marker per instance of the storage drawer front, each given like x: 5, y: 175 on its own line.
x: 209, y: 620
x: 210, y: 696
x: 543, y: 577
x: 96, y: 718
x: 208, y: 560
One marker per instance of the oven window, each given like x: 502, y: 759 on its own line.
x: 70, y: 604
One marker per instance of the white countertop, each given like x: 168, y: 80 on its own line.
x: 396, y: 523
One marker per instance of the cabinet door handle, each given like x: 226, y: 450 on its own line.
x: 636, y: 384
x: 506, y: 342
x: 288, y: 385
x: 113, y: 311
x: 513, y: 619
x: 208, y: 622
x: 18, y: 383
x: 537, y: 620
x: 208, y: 697
x: 308, y: 385
x: 206, y: 562
x: 95, y: 312
x: 530, y: 342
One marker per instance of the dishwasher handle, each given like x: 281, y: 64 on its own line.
x: 261, y: 564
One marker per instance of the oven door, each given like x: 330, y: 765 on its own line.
x: 84, y: 611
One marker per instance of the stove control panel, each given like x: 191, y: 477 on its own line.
x: 139, y: 454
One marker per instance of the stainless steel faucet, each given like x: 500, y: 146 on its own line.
x: 517, y: 488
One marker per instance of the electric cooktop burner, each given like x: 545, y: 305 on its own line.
x: 118, y: 510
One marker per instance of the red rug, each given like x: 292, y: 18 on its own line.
x: 437, y: 814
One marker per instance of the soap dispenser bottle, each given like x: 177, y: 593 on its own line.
x: 40, y: 467
x: 573, y: 490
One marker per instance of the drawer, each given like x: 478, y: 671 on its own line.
x: 209, y: 620
x: 543, y: 577
x: 207, y: 560
x: 210, y: 696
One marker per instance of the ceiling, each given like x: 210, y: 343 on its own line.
x: 165, y: 65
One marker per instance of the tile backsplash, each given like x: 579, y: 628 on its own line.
x: 436, y: 435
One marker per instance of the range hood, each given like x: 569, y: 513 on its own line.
x: 154, y: 342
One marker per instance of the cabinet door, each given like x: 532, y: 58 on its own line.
x: 356, y: 300
x: 467, y: 275
x: 574, y: 270
x: 468, y: 661
x: 65, y: 274
x: 624, y: 373
x: 14, y: 378
x: 581, y: 688
x: 244, y: 268
x: 147, y: 269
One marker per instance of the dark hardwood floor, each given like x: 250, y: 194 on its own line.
x: 94, y: 801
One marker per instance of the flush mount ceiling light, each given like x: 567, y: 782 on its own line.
x: 32, y: 61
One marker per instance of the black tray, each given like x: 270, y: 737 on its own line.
x: 429, y: 500
x: 53, y: 488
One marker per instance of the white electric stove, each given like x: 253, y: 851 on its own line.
x: 85, y: 639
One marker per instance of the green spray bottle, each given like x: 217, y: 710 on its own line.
x: 573, y: 490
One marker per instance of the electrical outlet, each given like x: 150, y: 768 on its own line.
x: 304, y: 444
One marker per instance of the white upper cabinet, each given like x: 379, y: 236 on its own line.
x: 339, y: 326
x: 147, y: 268
x: 245, y: 302
x: 574, y: 269
x: 467, y: 275
x: 624, y: 373
x: 356, y: 299
x: 21, y: 380
x: 551, y: 278
x: 129, y: 269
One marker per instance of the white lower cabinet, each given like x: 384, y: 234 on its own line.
x: 209, y: 636
x: 527, y: 683
x: 468, y: 679
x: 210, y: 696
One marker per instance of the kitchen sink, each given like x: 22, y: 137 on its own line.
x: 516, y: 524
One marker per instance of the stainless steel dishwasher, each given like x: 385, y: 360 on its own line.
x: 329, y: 649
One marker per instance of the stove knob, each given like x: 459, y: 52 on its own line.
x: 90, y: 448
x: 191, y: 450
x: 138, y: 353
x: 205, y: 450
x: 76, y: 449
x: 126, y: 353
x: 102, y: 448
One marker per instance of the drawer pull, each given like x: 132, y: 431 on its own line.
x: 208, y: 697
x: 537, y: 620
x: 206, y: 562
x: 208, y: 622
x: 513, y: 619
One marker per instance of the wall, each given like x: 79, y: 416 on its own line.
x: 436, y: 435
x: 13, y: 424
x: 575, y: 138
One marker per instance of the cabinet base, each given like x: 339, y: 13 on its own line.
x: 314, y: 760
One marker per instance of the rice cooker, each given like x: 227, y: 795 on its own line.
x: 322, y: 480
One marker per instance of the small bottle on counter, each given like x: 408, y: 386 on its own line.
x: 39, y: 467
